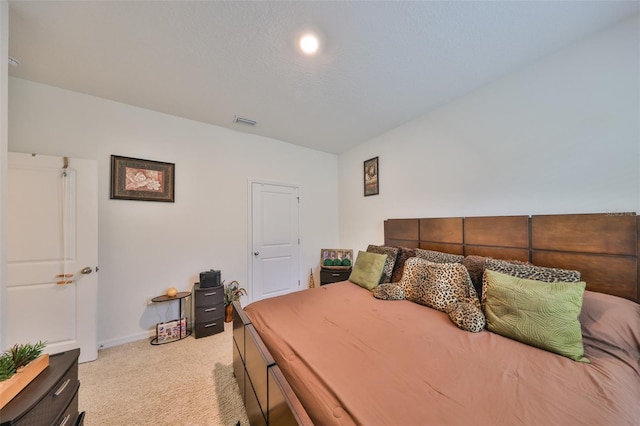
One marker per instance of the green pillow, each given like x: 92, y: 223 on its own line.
x: 540, y: 314
x: 368, y: 269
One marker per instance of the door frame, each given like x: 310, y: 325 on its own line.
x: 250, y: 183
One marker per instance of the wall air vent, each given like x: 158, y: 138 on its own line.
x: 242, y: 120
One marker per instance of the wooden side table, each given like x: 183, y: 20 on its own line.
x: 164, y: 298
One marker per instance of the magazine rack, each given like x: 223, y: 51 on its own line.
x: 175, y: 330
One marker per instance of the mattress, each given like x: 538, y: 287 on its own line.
x: 354, y: 359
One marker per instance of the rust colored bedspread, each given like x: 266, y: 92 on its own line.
x: 354, y: 359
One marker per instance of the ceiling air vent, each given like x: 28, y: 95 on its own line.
x: 242, y: 120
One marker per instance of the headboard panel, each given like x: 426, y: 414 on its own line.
x: 603, y: 247
x: 585, y: 233
x: 402, y: 232
x: 502, y: 237
x: 441, y: 234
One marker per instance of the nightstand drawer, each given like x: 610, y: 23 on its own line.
x: 208, y: 296
x: 209, y: 313
x: 328, y: 276
x: 204, y: 329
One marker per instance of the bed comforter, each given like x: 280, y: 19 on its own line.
x: 354, y: 359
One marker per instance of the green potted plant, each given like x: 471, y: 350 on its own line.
x: 232, y: 293
x: 17, y: 369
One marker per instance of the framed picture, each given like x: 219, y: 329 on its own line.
x: 336, y: 258
x: 371, y: 177
x: 146, y: 180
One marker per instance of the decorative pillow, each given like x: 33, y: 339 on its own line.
x: 388, y: 292
x: 404, y: 253
x: 368, y: 269
x: 530, y: 272
x: 540, y: 314
x: 392, y: 253
x: 611, y: 325
x: 467, y: 316
x: 475, y: 266
x: 437, y: 285
x: 438, y: 256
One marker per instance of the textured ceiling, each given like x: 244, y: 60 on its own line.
x: 380, y: 64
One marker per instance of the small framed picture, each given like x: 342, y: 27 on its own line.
x: 145, y: 180
x: 371, y: 177
x: 335, y: 258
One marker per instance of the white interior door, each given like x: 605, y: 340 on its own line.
x: 52, y: 235
x: 275, y: 240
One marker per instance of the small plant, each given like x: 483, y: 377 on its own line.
x: 7, y: 369
x: 17, y: 357
x: 232, y: 292
x: 24, y: 354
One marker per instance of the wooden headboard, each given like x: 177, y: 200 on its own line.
x: 603, y: 247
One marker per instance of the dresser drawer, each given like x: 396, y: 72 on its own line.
x: 208, y: 296
x: 70, y: 415
x: 204, y: 329
x: 209, y: 313
x: 50, y: 394
x: 55, y: 402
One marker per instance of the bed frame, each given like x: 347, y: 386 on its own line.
x: 603, y: 247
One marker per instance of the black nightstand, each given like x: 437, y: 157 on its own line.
x: 208, y: 310
x: 328, y: 276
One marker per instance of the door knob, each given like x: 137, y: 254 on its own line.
x: 86, y: 270
x: 256, y: 253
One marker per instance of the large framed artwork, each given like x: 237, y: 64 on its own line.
x: 371, y: 177
x: 145, y: 180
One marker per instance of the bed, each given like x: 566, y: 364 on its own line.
x: 337, y: 355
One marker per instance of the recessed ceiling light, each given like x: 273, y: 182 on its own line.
x: 309, y: 44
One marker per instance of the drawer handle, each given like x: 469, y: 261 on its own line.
x: 210, y: 309
x: 65, y: 420
x: 210, y: 294
x: 335, y: 275
x: 61, y: 388
x: 209, y: 325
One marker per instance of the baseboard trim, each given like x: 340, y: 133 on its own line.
x: 128, y: 339
x: 133, y: 338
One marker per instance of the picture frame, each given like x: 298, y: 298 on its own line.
x: 340, y: 254
x: 143, y: 180
x: 371, y: 177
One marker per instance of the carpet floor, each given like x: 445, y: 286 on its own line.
x: 189, y: 382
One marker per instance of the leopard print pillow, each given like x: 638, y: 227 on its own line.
x: 388, y: 292
x: 438, y: 256
x: 529, y: 272
x: 532, y: 272
x: 404, y: 253
x: 392, y: 253
x: 437, y: 285
x: 466, y: 316
x: 475, y: 266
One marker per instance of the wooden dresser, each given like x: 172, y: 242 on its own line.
x: 51, y: 398
x: 208, y: 310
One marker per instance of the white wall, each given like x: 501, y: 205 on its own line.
x: 147, y: 247
x: 560, y: 136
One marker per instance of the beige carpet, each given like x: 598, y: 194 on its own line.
x: 189, y: 382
